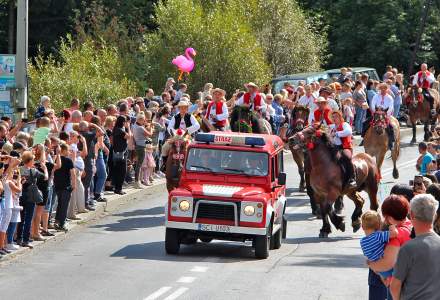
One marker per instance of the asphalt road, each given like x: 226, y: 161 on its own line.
x: 122, y: 257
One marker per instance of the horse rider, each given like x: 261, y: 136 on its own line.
x: 252, y: 98
x: 323, y: 113
x: 382, y: 101
x: 217, y: 111
x: 183, y: 120
x: 341, y: 132
x: 328, y: 93
x: 423, y: 79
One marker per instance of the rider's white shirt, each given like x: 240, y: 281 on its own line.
x: 430, y: 78
x: 220, y: 117
x: 346, y: 131
x: 240, y: 101
x: 384, y: 102
x: 193, y: 128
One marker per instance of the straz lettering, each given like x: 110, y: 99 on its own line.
x: 223, y: 139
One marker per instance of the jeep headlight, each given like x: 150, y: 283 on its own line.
x: 249, y: 210
x: 184, y: 205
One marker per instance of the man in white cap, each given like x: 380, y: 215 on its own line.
x: 217, y: 111
x: 183, y: 120
x: 252, y: 98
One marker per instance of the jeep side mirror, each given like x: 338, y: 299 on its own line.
x: 282, y: 178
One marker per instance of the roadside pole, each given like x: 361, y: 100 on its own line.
x: 20, y: 105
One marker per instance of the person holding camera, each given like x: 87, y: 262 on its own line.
x: 64, y: 184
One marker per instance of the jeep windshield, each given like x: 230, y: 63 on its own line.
x: 227, y: 161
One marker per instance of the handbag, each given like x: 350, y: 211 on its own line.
x: 118, y: 156
x: 34, y: 195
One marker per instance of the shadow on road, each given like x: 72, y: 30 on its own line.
x: 226, y: 252
x: 330, y: 261
x: 300, y: 217
x: 316, y: 240
x: 158, y: 210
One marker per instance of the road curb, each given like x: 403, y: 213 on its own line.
x: 103, y: 209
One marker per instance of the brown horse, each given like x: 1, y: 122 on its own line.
x: 327, y: 179
x: 298, y: 121
x: 176, y: 153
x: 376, y: 140
x: 419, y: 110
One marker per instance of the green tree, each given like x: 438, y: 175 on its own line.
x: 377, y: 32
x: 290, y: 42
x: 84, y: 71
x: 228, y: 52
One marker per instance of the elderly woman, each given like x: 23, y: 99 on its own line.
x: 395, y: 210
x: 44, y: 105
x: 140, y: 135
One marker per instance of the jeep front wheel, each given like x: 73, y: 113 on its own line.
x: 262, y: 244
x: 172, y: 242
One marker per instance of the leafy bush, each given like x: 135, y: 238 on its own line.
x: 84, y: 71
x: 228, y: 53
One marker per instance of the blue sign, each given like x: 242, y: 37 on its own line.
x: 7, y: 71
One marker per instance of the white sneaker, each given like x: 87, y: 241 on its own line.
x: 156, y: 176
x: 161, y: 174
x: 12, y: 247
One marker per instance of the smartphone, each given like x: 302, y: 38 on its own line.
x: 418, y: 180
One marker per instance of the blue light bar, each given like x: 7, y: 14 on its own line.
x: 230, y: 140
x: 255, y: 141
x: 204, y: 137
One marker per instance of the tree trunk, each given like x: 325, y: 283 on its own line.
x: 11, y: 27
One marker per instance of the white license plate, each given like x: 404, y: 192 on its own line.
x: 213, y: 227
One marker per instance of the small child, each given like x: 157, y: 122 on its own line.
x: 348, y: 110
x: 42, y: 132
x: 373, y: 244
x: 148, y: 165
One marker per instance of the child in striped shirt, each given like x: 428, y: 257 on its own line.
x: 375, y: 240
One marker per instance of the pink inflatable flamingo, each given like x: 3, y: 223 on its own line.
x: 185, y: 63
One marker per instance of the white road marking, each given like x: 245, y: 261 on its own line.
x: 402, y: 165
x: 199, y: 269
x: 158, y: 293
x: 176, y: 294
x: 186, y: 279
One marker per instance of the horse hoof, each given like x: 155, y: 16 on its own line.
x: 413, y: 141
x: 356, y: 227
x: 395, y: 174
x: 302, y: 189
x: 323, y: 235
x: 341, y: 227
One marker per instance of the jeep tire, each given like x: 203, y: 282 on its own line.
x: 262, y: 244
x: 172, y: 242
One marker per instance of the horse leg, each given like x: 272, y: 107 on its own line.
x: 426, y: 135
x: 302, y: 183
x: 316, y: 210
x: 394, y: 157
x: 339, y: 205
x: 379, y: 160
x: 326, y: 229
x: 357, y: 213
x: 413, y: 141
x: 372, y: 186
x: 337, y: 220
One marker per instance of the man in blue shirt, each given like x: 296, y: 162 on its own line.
x: 425, y: 158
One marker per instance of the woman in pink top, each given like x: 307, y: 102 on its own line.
x: 395, y: 210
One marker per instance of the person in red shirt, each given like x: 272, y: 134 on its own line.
x: 395, y: 209
x: 323, y: 113
x: 217, y: 111
x: 341, y: 133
